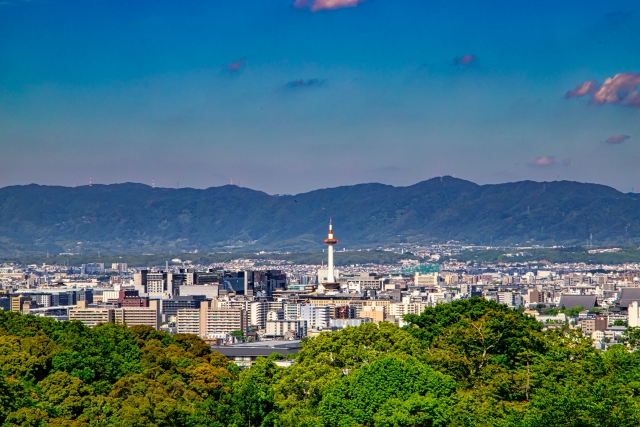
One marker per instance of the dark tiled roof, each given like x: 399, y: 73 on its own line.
x: 628, y: 295
x: 257, y: 351
x: 570, y: 301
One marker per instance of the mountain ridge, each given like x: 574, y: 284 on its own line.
x: 136, y: 218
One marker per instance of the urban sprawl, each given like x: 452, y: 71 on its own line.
x: 251, y: 308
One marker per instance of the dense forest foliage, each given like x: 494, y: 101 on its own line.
x: 469, y: 363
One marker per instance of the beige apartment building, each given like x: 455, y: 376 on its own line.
x: 131, y: 316
x: 223, y: 320
x: 16, y: 303
x: 427, y: 280
x: 281, y: 328
x: 136, y: 316
x: 211, y: 320
x: 91, y: 316
x: 188, y: 321
x: 376, y: 314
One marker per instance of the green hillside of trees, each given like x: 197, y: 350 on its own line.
x: 135, y: 218
x: 469, y: 363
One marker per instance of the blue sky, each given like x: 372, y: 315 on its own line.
x: 332, y: 92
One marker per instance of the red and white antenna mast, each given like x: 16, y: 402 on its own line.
x: 153, y: 183
x: 330, y: 240
x: 90, y: 182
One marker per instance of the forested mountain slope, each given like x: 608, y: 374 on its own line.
x: 137, y: 218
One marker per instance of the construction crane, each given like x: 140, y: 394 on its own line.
x: 343, y: 309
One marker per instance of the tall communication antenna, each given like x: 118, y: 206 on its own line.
x: 90, y: 181
x: 330, y: 240
x: 153, y: 183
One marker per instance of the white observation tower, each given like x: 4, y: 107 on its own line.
x: 331, y: 283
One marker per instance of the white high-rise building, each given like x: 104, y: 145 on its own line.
x: 258, y: 314
x: 400, y: 309
x: 316, y: 316
x: 634, y: 315
x: 292, y: 311
x: 188, y: 321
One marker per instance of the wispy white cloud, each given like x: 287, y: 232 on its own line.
x: 543, y: 161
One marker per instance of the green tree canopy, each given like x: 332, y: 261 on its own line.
x: 467, y: 363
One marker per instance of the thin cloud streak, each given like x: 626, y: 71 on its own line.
x: 301, y: 83
x: 318, y: 5
x: 617, y: 139
x: 236, y: 66
x: 465, y: 60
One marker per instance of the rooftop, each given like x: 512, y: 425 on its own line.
x: 570, y: 301
x: 259, y: 349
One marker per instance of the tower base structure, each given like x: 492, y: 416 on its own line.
x: 329, y: 287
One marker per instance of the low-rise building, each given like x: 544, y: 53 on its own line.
x: 135, y: 316
x: 211, y: 320
x: 376, y: 314
x: 286, y: 328
x: 245, y: 355
x: 344, y: 323
x: 91, y: 316
x: 188, y: 321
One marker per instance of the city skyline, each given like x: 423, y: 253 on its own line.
x: 290, y: 96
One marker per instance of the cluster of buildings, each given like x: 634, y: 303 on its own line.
x: 259, y: 306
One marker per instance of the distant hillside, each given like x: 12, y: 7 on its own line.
x: 553, y: 255
x: 136, y: 218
